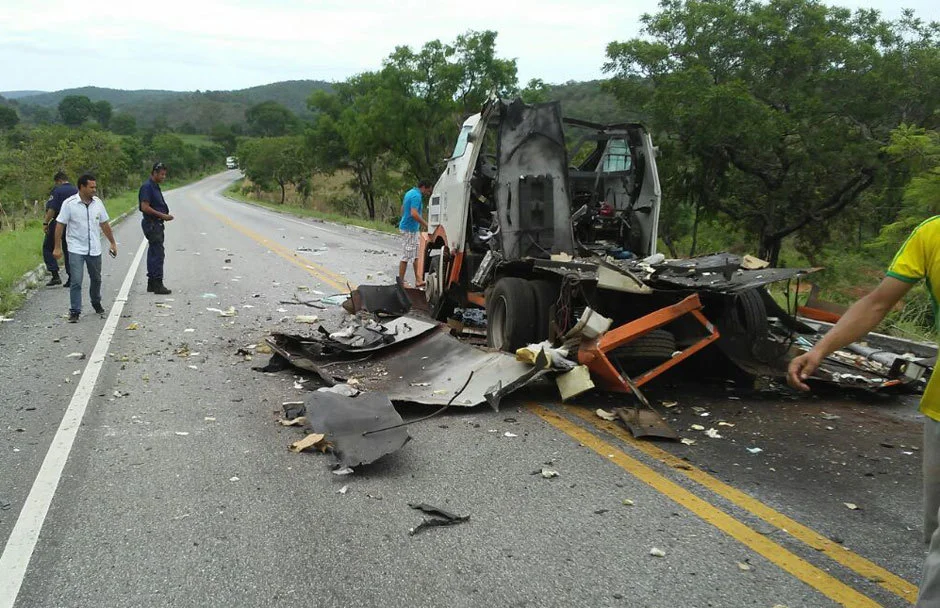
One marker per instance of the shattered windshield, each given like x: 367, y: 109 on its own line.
x: 617, y: 156
x: 462, y: 140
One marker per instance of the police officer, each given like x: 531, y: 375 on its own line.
x: 156, y: 212
x: 62, y: 190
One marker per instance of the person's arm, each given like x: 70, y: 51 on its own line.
x: 50, y: 215
x: 420, y: 220
x: 148, y: 210
x: 106, y: 229
x: 57, y: 248
x: 859, y: 319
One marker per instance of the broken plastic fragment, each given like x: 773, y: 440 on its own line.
x: 851, y: 505
x: 744, y: 567
x: 826, y: 416
x: 628, y: 502
x: 723, y: 423
x: 605, y: 414
x: 657, y: 552
x: 668, y: 404
x: 298, y: 421
x: 697, y: 427
x: 78, y: 356
x: 182, y: 433
x: 131, y: 327
x: 343, y: 471
x: 233, y: 478
x: 508, y: 434
x: 342, y: 490
x: 549, y: 473
x: 755, y: 450
x: 306, y: 318
x: 687, y: 441
x: 713, y: 433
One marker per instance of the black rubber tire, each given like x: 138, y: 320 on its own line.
x: 546, y: 295
x: 646, y: 352
x: 510, y: 323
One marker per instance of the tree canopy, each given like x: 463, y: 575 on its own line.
x: 74, y: 110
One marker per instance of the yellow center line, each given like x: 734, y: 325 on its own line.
x: 826, y: 584
x: 327, y: 276
x: 870, y: 570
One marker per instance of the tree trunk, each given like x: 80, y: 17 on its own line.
x: 770, y: 249
x: 698, y: 214
x: 283, y: 191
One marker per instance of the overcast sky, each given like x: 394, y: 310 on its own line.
x: 215, y: 45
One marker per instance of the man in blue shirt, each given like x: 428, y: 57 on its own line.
x: 155, y: 210
x: 410, y: 225
x: 62, y: 190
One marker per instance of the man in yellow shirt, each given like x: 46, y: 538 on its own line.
x: 918, y: 259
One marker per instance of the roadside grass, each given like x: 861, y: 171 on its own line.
x: 195, y: 139
x: 21, y: 250
x: 235, y: 192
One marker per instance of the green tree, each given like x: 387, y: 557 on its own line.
x: 223, y: 135
x: 278, y: 160
x: 74, y: 110
x: 270, y: 119
x: 102, y: 112
x: 780, y: 109
x: 124, y: 124
x: 8, y: 117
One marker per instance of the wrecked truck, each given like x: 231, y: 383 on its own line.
x: 567, y: 253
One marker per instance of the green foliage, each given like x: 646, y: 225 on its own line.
x: 275, y: 160
x: 101, y: 110
x: 778, y: 110
x: 8, y: 117
x: 75, y: 110
x: 124, y: 124
x: 270, y: 119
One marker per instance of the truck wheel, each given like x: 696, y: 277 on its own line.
x: 646, y: 352
x: 510, y: 323
x: 546, y: 295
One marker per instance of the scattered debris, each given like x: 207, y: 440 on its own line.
x: 360, y: 429
x: 826, y: 416
x: 669, y: 404
x: 508, y: 434
x: 209, y: 419
x: 657, y: 552
x: 306, y: 319
x: 343, y: 490
x: 697, y: 427
x: 131, y: 327
x: 628, y: 503
x: 310, y: 441
x: 440, y: 517
x: 755, y: 450
x: 745, y: 567
x: 233, y: 478
x: 298, y: 421
x: 182, y: 433
x: 549, y: 473
x: 713, y: 433
x: 687, y: 441
x: 343, y: 471
x: 610, y: 416
x: 851, y: 506
x: 79, y: 356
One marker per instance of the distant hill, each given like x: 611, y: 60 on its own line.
x: 18, y: 94
x: 200, y: 109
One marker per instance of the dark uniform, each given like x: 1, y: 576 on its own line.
x: 153, y: 229
x: 58, y: 195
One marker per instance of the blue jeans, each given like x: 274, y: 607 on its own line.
x: 153, y: 230
x: 77, y: 263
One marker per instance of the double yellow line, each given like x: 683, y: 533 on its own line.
x: 823, y: 582
x: 322, y: 273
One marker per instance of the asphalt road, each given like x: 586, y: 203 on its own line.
x: 179, y: 490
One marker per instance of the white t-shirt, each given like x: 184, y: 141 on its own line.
x: 82, y: 224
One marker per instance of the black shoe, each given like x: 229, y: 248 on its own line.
x: 73, y: 317
x: 150, y: 286
x: 68, y: 282
x: 160, y: 289
x: 55, y: 280
x: 98, y: 308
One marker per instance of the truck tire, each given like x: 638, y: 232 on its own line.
x: 645, y: 352
x: 546, y: 295
x: 510, y: 323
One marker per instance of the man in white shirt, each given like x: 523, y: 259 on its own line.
x: 82, y: 219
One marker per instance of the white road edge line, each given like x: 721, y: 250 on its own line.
x: 25, y: 534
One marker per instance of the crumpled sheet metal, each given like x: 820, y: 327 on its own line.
x: 346, y: 420
x: 388, y: 300
x: 424, y: 365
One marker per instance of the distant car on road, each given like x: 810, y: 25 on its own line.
x: 231, y: 162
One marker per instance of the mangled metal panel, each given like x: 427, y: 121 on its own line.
x: 532, y: 194
x: 358, y: 428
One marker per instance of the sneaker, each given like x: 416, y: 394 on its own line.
x: 73, y: 317
x: 99, y: 308
x: 55, y: 280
